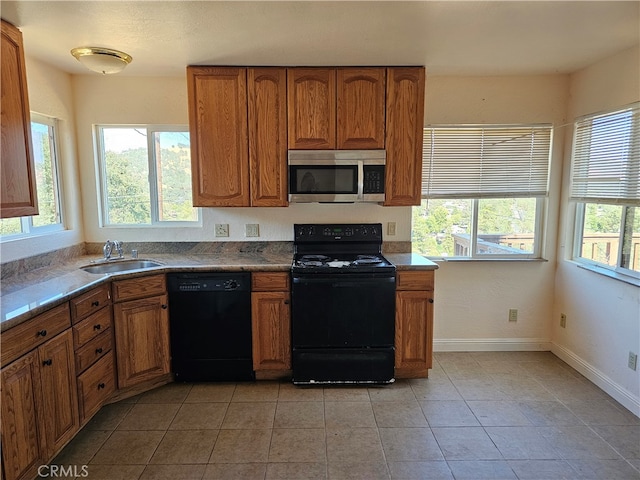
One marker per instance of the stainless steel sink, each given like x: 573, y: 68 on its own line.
x: 120, y: 266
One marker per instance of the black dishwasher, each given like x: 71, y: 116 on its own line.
x: 210, y: 320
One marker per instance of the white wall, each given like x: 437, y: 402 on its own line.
x: 50, y: 94
x: 603, y: 314
x: 163, y: 100
x: 473, y: 298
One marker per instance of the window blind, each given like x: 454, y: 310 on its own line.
x: 606, y: 158
x: 486, y: 161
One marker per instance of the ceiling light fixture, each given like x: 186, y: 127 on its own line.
x: 102, y: 60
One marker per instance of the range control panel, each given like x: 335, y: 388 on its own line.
x: 349, y: 232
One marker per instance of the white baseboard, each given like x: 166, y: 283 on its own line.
x: 491, y: 344
x: 626, y: 398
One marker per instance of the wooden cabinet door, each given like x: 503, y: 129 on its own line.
x: 360, y: 108
x: 218, y: 129
x: 270, y: 320
x: 414, y: 333
x: 21, y: 454
x: 311, y: 104
x: 142, y: 340
x: 405, y: 117
x: 17, y: 174
x: 267, y: 105
x: 59, y: 392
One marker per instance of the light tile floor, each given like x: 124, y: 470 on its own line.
x: 485, y: 415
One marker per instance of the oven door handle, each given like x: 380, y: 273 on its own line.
x: 336, y: 282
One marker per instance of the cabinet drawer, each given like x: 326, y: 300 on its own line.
x: 415, y: 280
x: 95, y: 386
x: 270, y: 282
x: 94, y: 350
x: 139, y: 287
x: 24, y: 337
x: 89, y: 302
x: 91, y: 327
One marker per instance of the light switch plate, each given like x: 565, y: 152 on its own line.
x: 252, y: 230
x: 391, y: 228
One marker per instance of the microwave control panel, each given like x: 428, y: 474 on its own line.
x: 373, y: 179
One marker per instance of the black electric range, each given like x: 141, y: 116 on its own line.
x: 343, y: 305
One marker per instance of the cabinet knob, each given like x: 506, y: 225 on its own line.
x: 47, y: 362
x: 164, y: 306
x: 98, y: 351
x: 97, y: 327
x: 101, y: 386
x: 41, y: 333
x: 431, y: 300
x: 286, y: 302
x: 95, y: 304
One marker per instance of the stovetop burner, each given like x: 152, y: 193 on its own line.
x: 367, y: 260
x: 340, y: 261
x: 339, y: 248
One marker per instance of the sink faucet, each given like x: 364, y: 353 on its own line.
x: 108, y: 247
x: 117, y: 244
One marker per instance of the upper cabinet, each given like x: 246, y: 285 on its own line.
x: 361, y: 107
x: 311, y: 100
x: 405, y: 117
x: 336, y: 108
x: 218, y: 129
x: 267, y: 98
x: 237, y: 121
x: 18, y: 184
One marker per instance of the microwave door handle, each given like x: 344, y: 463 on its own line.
x: 360, y: 180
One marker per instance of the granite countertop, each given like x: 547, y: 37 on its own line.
x: 35, y: 292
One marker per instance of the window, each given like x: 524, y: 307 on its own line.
x: 605, y: 184
x: 49, y: 219
x: 483, y: 190
x: 145, y: 175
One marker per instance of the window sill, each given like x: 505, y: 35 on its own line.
x: 609, y: 273
x: 476, y: 259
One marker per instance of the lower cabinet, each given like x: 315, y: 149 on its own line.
x: 93, y: 341
x: 95, y: 386
x: 21, y: 427
x: 141, y: 322
x: 414, y: 323
x: 39, y: 406
x: 270, y: 323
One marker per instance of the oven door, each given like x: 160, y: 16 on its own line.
x: 343, y: 310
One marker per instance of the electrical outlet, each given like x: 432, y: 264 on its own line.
x: 391, y: 228
x: 222, y: 229
x: 633, y: 360
x: 252, y: 230
x: 563, y: 320
x: 513, y: 314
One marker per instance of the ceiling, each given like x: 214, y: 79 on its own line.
x: 448, y: 37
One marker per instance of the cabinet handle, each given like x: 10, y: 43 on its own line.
x: 95, y: 304
x: 286, y: 302
x: 47, y: 362
x: 164, y: 307
x: 98, y: 351
x: 97, y: 327
x: 101, y: 385
x: 41, y: 333
x: 431, y: 300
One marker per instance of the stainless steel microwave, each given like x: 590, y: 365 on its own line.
x: 336, y: 176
